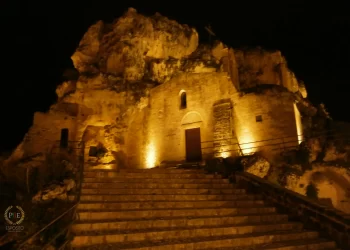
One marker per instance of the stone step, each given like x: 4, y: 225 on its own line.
x: 163, y: 170
x: 159, y: 180
x: 100, y: 167
x: 111, y: 174
x: 155, y: 185
x: 201, y: 238
x: 150, y: 174
x: 168, y: 197
x: 175, y: 222
x: 166, y: 213
x: 167, y: 204
x: 189, y: 191
x: 305, y: 244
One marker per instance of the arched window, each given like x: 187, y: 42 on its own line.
x: 183, y: 100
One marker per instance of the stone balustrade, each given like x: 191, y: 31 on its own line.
x: 331, y: 222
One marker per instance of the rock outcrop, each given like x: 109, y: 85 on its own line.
x: 256, y: 165
x: 107, y: 105
x: 330, y: 181
x: 120, y: 63
x: 124, y: 48
x: 138, y: 48
x: 55, y: 191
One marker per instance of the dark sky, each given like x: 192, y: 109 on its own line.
x: 38, y: 38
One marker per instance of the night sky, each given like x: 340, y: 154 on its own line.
x: 38, y: 38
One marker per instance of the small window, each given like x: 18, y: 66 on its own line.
x: 64, y: 138
x: 183, y: 100
x: 258, y: 118
x: 93, y: 151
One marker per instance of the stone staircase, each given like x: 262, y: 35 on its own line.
x: 158, y: 209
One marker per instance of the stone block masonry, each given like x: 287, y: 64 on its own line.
x: 225, y: 142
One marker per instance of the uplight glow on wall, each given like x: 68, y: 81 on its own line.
x: 151, y: 156
x: 298, y: 123
x: 246, y: 144
x: 224, y: 154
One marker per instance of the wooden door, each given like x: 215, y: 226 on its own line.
x: 193, y: 145
x: 64, y: 138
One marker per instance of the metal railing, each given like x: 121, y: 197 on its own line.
x: 76, y: 149
x: 280, y: 144
x: 330, y: 222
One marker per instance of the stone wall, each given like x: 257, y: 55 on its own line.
x: 264, y: 116
x: 225, y: 142
x: 46, y: 130
x: 135, y: 139
x: 149, y: 130
x: 167, y: 122
x: 112, y: 119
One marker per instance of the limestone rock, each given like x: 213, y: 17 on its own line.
x: 144, y: 101
x: 332, y: 183
x: 37, y: 197
x: 257, y: 66
x: 291, y: 180
x: 54, y: 191
x: 85, y: 57
x: 129, y: 70
x: 219, y: 51
x: 121, y: 48
x: 256, y: 165
x: 164, y: 70
x: 323, y: 111
x: 332, y: 154
x: 65, y: 88
x: 17, y: 154
x: 136, y: 48
x: 315, y: 148
x: 62, y: 197
x: 302, y: 89
x: 69, y: 184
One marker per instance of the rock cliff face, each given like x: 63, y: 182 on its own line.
x: 120, y: 62
x: 137, y: 48
x: 133, y: 45
x: 131, y: 71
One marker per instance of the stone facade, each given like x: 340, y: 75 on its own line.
x: 167, y: 122
x: 127, y: 98
x: 264, y: 116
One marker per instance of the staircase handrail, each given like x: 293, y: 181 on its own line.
x: 334, y: 223
x: 65, y: 212
x: 270, y: 142
x: 47, y: 226
x: 323, y: 133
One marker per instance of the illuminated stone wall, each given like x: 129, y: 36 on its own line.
x: 127, y: 95
x: 225, y: 142
x: 46, y: 130
x: 299, y: 124
x: 167, y: 122
x: 264, y: 116
x: 135, y: 139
